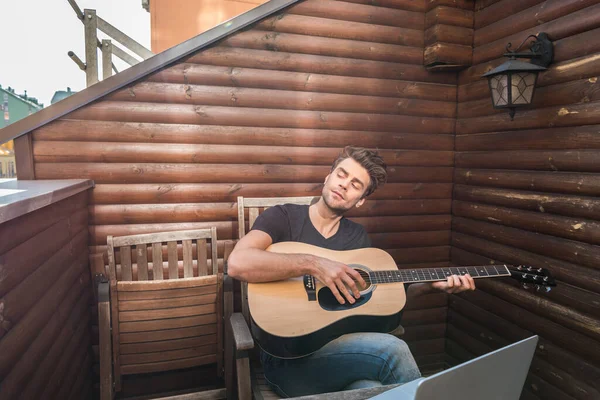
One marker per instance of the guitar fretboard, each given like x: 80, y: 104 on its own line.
x: 436, y: 274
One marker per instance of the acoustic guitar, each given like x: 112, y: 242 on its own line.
x: 296, y: 317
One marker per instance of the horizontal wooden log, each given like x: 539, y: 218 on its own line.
x: 217, y: 115
x: 577, y: 46
x: 426, y: 347
x: 578, y: 137
x: 21, y: 261
x: 78, y: 361
x: 49, y: 152
x: 152, y: 92
x: 323, y: 46
x: 83, y: 374
x: 490, y: 13
x: 449, y: 34
x: 551, y: 160
x: 586, y: 278
x: 492, y: 324
x: 579, y: 91
x: 559, y: 226
x: 570, y: 206
x: 583, y: 346
x: 262, y: 59
x: 228, y: 229
x: 110, y: 131
x: 462, y: 4
x: 33, y: 366
x: 420, y: 254
x: 538, y: 370
x: 447, y: 54
x: 568, y: 295
x: 407, y: 5
x: 448, y: 15
x: 19, y: 300
x: 335, y: 28
x: 198, y: 212
x: 218, y: 173
x: 359, y: 13
x: 426, y: 301
x: 194, y: 74
x: 567, y: 25
x: 558, y: 182
x: 579, y: 68
x: 529, y: 18
x: 550, y: 246
x: 200, y: 193
x: 558, y: 313
x: 410, y: 240
x: 424, y: 317
x: 61, y: 294
x: 19, y: 230
x: 549, y: 117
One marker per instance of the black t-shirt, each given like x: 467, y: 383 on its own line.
x: 291, y: 223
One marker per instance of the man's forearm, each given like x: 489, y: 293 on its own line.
x: 255, y: 265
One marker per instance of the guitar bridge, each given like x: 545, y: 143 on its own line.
x: 310, y: 285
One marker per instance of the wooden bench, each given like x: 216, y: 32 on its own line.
x: 164, y: 316
x: 250, y: 370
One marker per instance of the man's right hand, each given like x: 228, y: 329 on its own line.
x: 338, y: 277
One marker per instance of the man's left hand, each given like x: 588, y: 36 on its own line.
x: 455, y: 284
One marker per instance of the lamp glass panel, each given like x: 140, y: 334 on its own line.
x: 523, y: 84
x: 499, y: 88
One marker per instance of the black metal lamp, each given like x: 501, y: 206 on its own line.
x: 512, y: 84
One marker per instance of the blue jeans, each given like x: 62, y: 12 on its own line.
x: 351, y: 361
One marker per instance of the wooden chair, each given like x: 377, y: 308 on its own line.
x: 249, y: 370
x: 162, y: 318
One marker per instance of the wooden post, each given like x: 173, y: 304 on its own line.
x: 91, y: 55
x: 106, y: 59
x: 106, y: 379
x: 24, y: 157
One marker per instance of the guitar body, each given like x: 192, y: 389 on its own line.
x: 287, y: 323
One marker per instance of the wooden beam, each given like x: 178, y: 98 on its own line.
x: 24, y: 157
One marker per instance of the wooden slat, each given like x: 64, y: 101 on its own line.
x: 160, y: 237
x: 168, y: 365
x: 156, y: 295
x: 138, y: 305
x: 160, y: 314
x: 142, y: 262
x: 167, y: 345
x: 214, y: 255
x: 171, y: 323
x: 126, y: 271
x: 168, y: 355
x: 202, y: 257
x: 167, y: 284
x: 172, y: 260
x: 187, y: 259
x: 169, y: 334
x: 156, y: 257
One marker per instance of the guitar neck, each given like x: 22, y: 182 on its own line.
x: 437, y: 274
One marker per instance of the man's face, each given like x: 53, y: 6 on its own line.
x: 345, y: 186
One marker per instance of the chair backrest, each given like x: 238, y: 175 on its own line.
x: 254, y: 206
x: 174, y: 320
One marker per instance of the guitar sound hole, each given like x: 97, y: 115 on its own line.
x: 365, y: 276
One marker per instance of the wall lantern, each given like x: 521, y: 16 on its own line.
x: 512, y: 84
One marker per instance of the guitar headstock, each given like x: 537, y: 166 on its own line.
x: 533, y: 277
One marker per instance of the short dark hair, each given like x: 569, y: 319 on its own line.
x: 369, y: 160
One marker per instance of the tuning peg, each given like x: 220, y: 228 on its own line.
x: 519, y: 268
x: 537, y: 288
x: 529, y: 269
x: 540, y: 270
x: 548, y: 289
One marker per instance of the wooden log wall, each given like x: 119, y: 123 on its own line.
x: 526, y: 192
x: 264, y: 113
x: 45, y: 298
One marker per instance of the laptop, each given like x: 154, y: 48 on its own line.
x: 499, y: 375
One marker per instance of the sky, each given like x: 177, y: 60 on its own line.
x: 36, y: 35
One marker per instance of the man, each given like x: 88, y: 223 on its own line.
x: 354, y: 360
